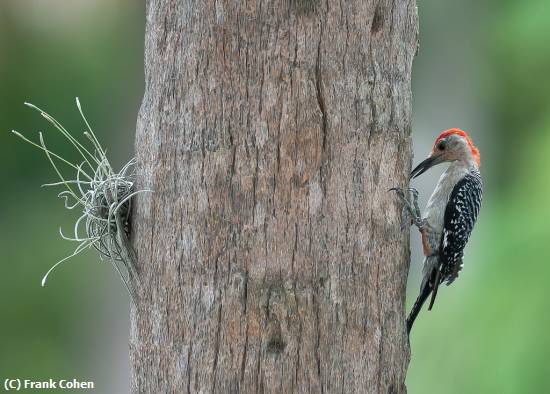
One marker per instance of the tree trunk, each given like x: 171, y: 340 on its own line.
x: 270, y: 253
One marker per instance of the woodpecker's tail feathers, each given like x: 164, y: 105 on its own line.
x: 428, y: 287
x: 422, y: 297
x: 435, y: 285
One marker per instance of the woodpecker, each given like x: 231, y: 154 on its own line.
x: 450, y: 214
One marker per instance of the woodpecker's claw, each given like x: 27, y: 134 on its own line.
x: 414, y: 194
x: 411, y: 211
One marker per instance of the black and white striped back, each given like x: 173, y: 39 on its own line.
x: 460, y: 216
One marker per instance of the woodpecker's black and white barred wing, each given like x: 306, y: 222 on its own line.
x: 460, y: 217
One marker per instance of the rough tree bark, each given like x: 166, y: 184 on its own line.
x: 270, y: 253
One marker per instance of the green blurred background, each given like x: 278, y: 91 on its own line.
x: 50, y: 52
x: 482, y: 66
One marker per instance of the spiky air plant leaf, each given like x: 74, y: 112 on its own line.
x: 102, y: 196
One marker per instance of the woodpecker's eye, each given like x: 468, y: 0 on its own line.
x: 441, y: 145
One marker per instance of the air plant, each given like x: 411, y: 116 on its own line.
x: 102, y: 195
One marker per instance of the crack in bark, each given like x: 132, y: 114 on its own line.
x: 243, y: 363
x: 216, y: 347
x: 320, y: 99
x: 317, y: 342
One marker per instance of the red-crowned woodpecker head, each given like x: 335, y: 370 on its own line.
x: 450, y: 145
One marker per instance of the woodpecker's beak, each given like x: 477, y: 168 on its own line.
x: 426, y: 165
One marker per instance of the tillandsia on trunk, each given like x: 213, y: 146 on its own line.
x: 103, y: 196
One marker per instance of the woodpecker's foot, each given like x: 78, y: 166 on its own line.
x: 411, y: 211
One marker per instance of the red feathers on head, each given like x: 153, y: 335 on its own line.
x: 462, y: 133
